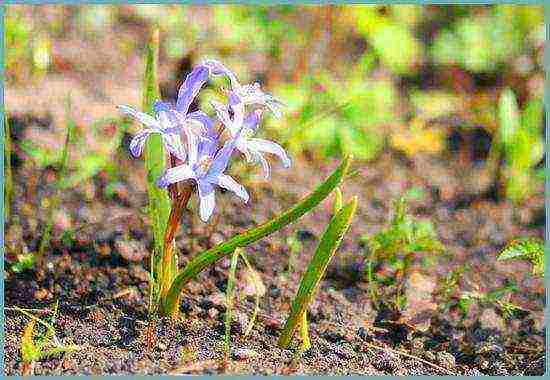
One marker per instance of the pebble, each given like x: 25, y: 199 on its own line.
x: 131, y: 250
x: 243, y: 354
x: 213, y: 313
x: 446, y: 359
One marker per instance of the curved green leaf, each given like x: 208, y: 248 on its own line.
x: 331, y: 239
x: 207, y: 258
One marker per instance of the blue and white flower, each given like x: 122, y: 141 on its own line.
x: 206, y: 165
x: 251, y: 147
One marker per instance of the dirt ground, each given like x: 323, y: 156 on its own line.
x: 103, y: 296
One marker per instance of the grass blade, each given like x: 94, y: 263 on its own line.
x: 330, y: 241
x: 207, y: 258
x: 229, y: 302
x: 250, y: 325
x: 155, y: 161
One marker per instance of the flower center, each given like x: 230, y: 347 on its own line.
x: 203, y: 165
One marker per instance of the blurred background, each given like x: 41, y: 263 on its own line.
x: 420, y: 80
x: 441, y: 106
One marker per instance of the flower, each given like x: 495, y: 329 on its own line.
x: 170, y: 121
x: 160, y: 124
x: 244, y: 94
x: 251, y: 147
x: 206, y: 164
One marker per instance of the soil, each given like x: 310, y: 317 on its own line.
x: 100, y: 282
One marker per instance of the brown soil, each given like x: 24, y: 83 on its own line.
x: 103, y: 297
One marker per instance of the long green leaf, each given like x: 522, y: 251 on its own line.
x: 155, y: 158
x: 229, y: 295
x: 207, y: 258
x: 509, y: 117
x: 331, y: 239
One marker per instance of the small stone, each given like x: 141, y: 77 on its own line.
x: 446, y: 359
x: 162, y: 346
x: 213, y: 313
x: 138, y: 272
x: 491, y: 320
x: 243, y: 354
x: 131, y: 250
x: 41, y: 294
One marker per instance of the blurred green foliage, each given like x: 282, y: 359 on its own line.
x: 351, y: 75
x: 522, y: 143
x: 531, y: 249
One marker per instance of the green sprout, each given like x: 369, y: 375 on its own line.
x: 330, y: 241
x: 530, y: 249
x: 397, y: 243
x: 36, y: 346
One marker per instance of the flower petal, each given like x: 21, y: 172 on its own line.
x: 263, y: 161
x: 218, y: 68
x: 222, y: 158
x: 207, y: 200
x: 176, y: 174
x: 143, y: 118
x: 227, y: 182
x: 173, y: 144
x: 137, y: 143
x: 191, y: 87
x: 204, y: 121
x: 262, y: 145
x: 252, y: 120
x: 160, y: 106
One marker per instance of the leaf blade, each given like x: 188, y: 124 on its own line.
x: 206, y: 258
x: 330, y: 241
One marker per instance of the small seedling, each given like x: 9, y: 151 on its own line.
x: 331, y: 239
x: 531, y: 249
x: 396, y: 245
x: 24, y: 263
x: 253, y: 277
x: 36, y: 346
x: 55, y: 200
x: 499, y: 298
x: 229, y: 302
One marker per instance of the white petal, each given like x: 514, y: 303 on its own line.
x: 137, y: 143
x: 262, y: 145
x: 143, y: 118
x: 176, y: 174
x: 172, y: 142
x: 263, y: 161
x: 227, y: 182
x: 207, y: 202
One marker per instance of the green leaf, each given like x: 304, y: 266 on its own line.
x: 531, y: 249
x: 207, y: 258
x: 331, y: 239
x: 24, y: 262
x: 155, y: 157
x: 508, y: 114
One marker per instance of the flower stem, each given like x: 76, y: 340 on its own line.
x: 168, y: 268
